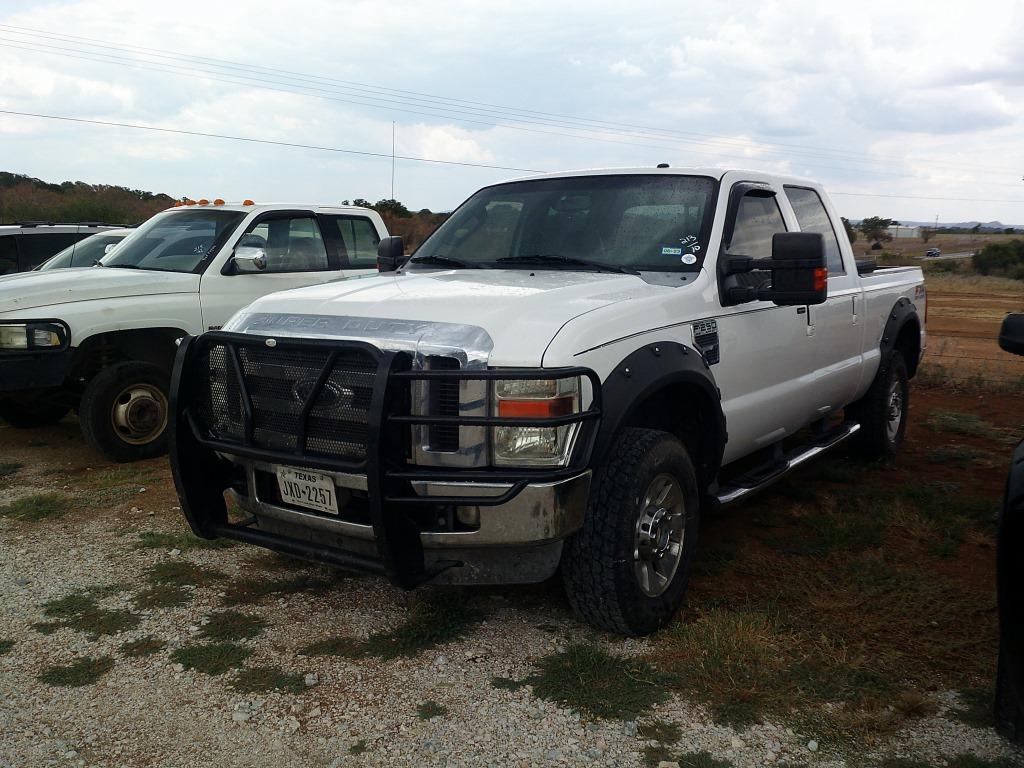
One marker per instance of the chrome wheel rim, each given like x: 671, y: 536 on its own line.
x: 139, y: 414
x: 894, y: 413
x: 660, y: 533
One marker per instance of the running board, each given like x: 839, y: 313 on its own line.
x: 761, y: 477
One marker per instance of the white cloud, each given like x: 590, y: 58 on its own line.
x: 626, y: 69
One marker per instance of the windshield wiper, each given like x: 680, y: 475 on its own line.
x: 569, y: 261
x: 124, y: 266
x: 443, y: 261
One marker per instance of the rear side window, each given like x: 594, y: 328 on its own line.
x: 8, y: 255
x: 35, y: 249
x: 812, y: 217
x: 757, y: 220
x: 359, y: 238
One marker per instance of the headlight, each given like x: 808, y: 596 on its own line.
x: 531, y: 399
x: 41, y: 335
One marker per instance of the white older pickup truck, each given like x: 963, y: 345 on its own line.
x: 102, y: 340
x: 564, y: 374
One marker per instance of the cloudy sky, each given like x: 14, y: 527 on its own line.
x: 901, y: 103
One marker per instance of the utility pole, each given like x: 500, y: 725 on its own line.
x: 392, y: 159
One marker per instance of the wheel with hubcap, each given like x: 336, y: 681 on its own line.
x: 627, y: 568
x: 124, y: 411
x: 882, y: 412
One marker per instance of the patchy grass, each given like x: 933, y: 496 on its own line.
x: 254, y: 589
x: 973, y: 761
x: 655, y: 755
x: 81, y: 612
x: 162, y: 596
x: 9, y: 469
x: 117, y: 485
x: 958, y: 456
x: 597, y: 683
x: 430, y: 709
x: 358, y: 748
x: 660, y: 730
x: 507, y: 684
x: 212, y: 658
x: 232, y: 625
x: 36, y: 507
x: 264, y: 679
x: 83, y: 672
x: 433, y: 620
x: 345, y: 647
x: 182, y: 541
x: 144, y: 646
x: 971, y: 424
x: 6, y: 646
x: 182, y: 573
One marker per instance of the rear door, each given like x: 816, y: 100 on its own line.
x: 355, y: 240
x: 8, y: 254
x: 297, y: 255
x: 836, y: 327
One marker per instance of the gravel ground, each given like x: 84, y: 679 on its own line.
x: 151, y: 711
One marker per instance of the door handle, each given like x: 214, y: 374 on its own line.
x: 801, y: 310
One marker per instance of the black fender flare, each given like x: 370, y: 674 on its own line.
x: 644, y: 372
x: 903, y: 311
x: 1010, y: 572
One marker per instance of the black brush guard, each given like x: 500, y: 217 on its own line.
x: 201, y: 476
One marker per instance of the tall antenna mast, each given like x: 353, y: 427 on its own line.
x: 392, y: 159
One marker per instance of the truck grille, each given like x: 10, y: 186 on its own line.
x: 278, y: 382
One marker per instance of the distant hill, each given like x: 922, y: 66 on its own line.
x: 23, y: 198
x: 986, y: 226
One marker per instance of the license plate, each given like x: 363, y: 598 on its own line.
x: 307, y: 489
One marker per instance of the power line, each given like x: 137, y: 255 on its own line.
x: 295, y: 145
x: 587, y: 125
x: 202, y: 134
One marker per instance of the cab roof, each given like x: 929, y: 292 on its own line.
x: 714, y: 173
x: 263, y: 207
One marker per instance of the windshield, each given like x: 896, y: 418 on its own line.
x: 637, y: 222
x: 175, y: 241
x: 84, y: 253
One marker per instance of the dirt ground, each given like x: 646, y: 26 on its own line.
x: 846, y: 617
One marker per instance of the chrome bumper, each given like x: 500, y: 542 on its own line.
x: 540, y: 513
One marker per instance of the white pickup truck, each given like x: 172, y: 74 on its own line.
x: 564, y: 374
x: 102, y: 340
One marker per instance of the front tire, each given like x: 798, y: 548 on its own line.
x: 627, y: 568
x: 882, y: 412
x: 124, y: 412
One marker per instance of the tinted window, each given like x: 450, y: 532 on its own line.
x: 757, y: 219
x: 8, y: 255
x: 652, y: 222
x: 291, y: 245
x: 359, y: 239
x: 175, y: 241
x: 812, y: 217
x: 35, y: 249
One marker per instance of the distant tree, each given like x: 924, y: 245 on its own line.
x: 1009, y: 231
x: 876, y: 229
x: 362, y: 203
x: 345, y: 202
x: 976, y: 229
x: 424, y: 212
x: 926, y: 233
x: 851, y: 231
x: 392, y: 207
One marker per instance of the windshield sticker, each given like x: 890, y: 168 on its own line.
x: 689, y: 258
x: 670, y: 251
x: 690, y: 242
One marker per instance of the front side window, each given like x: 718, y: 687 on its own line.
x: 292, y: 244
x: 84, y: 253
x: 8, y: 255
x: 359, y: 240
x: 641, y: 222
x: 175, y: 241
x: 812, y: 217
x: 758, y: 218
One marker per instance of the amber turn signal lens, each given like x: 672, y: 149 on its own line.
x: 248, y: 202
x: 535, y: 409
x: 821, y: 279
x: 218, y: 201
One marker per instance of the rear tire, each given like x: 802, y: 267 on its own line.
x: 882, y: 412
x: 124, y: 412
x: 25, y: 414
x: 627, y: 568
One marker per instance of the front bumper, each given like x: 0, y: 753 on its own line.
x: 411, y: 523
x: 29, y: 371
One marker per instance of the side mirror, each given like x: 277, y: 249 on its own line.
x: 798, y: 267
x: 390, y: 254
x: 1011, y: 336
x: 249, y: 259
x: 108, y: 248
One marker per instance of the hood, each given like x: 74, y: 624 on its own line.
x: 521, y: 311
x: 33, y: 290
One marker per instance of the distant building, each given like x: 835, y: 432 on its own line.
x: 899, y: 231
